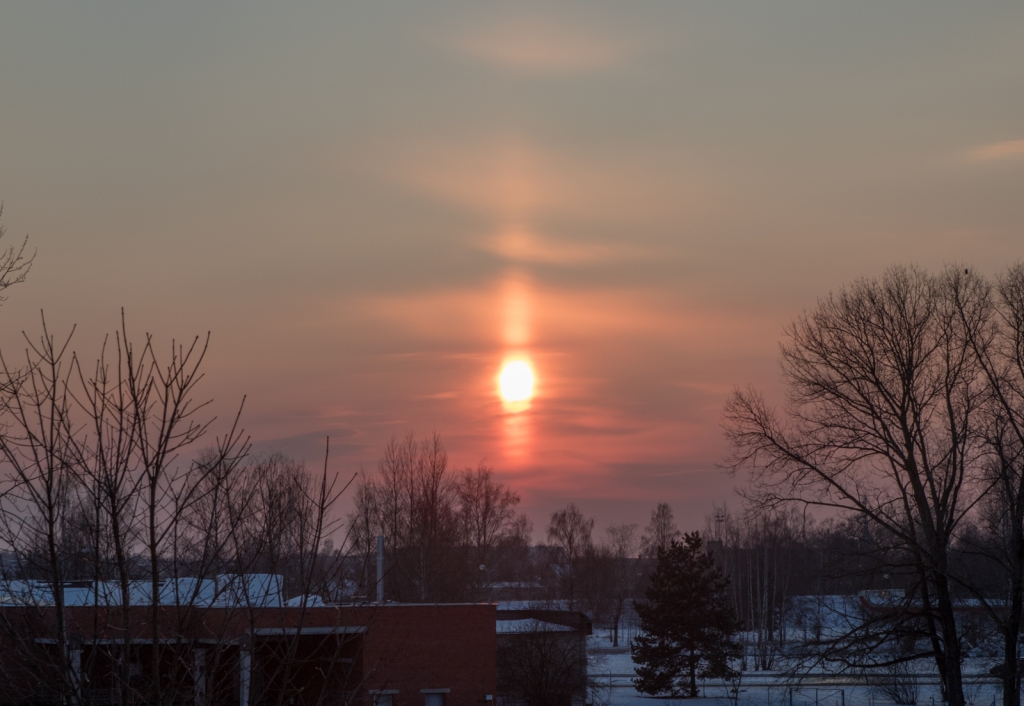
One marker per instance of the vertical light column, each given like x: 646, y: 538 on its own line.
x: 516, y: 324
x: 516, y: 333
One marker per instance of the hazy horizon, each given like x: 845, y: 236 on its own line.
x: 372, y: 207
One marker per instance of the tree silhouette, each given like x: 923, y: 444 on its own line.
x: 686, y: 620
x: 14, y: 263
x: 660, y: 532
x: 571, y: 532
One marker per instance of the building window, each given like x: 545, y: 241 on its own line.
x: 434, y: 697
x: 383, y: 697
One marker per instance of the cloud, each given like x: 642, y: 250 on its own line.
x: 524, y: 245
x: 310, y: 446
x: 542, y: 47
x: 1011, y: 149
x: 450, y: 395
x: 514, y: 181
x: 474, y: 316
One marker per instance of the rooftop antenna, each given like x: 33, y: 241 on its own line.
x: 719, y: 521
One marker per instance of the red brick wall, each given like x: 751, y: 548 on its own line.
x: 407, y: 647
x: 432, y: 646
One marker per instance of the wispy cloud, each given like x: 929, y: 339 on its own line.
x: 449, y: 395
x: 524, y: 245
x: 1011, y: 149
x: 541, y: 46
x: 472, y: 315
x: 515, y: 181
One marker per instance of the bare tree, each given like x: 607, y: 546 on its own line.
x: 119, y: 537
x: 991, y: 320
x: 439, y: 525
x: 490, y: 526
x: 621, y: 548
x: 761, y: 553
x: 37, y: 448
x: 164, y: 421
x: 92, y: 476
x: 14, y: 263
x: 413, y: 502
x: 881, y: 422
x: 571, y: 532
x: 543, y: 665
x: 514, y: 557
x: 660, y: 532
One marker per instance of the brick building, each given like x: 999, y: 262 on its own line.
x: 384, y: 654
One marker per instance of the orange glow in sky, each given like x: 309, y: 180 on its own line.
x: 516, y: 389
x: 516, y: 381
x: 516, y: 304
x: 558, y: 237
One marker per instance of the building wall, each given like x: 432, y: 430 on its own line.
x: 395, y: 647
x: 414, y: 647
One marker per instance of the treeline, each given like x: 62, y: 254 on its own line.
x: 447, y: 533
x: 106, y: 500
x: 456, y: 535
x: 904, y: 419
x: 98, y: 483
x: 781, y: 563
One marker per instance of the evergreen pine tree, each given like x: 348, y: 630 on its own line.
x: 686, y: 621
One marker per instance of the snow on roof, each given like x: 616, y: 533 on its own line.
x: 516, y: 584
x: 256, y: 590
x: 528, y: 625
x: 533, y: 605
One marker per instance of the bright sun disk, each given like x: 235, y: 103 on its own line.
x: 516, y: 381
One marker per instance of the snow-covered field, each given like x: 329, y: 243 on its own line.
x: 612, y: 670
x: 826, y: 616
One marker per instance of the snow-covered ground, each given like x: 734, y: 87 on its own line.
x: 612, y: 670
x: 808, y: 617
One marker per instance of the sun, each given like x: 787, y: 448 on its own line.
x: 516, y: 381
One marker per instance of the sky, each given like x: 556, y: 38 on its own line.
x: 373, y: 206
